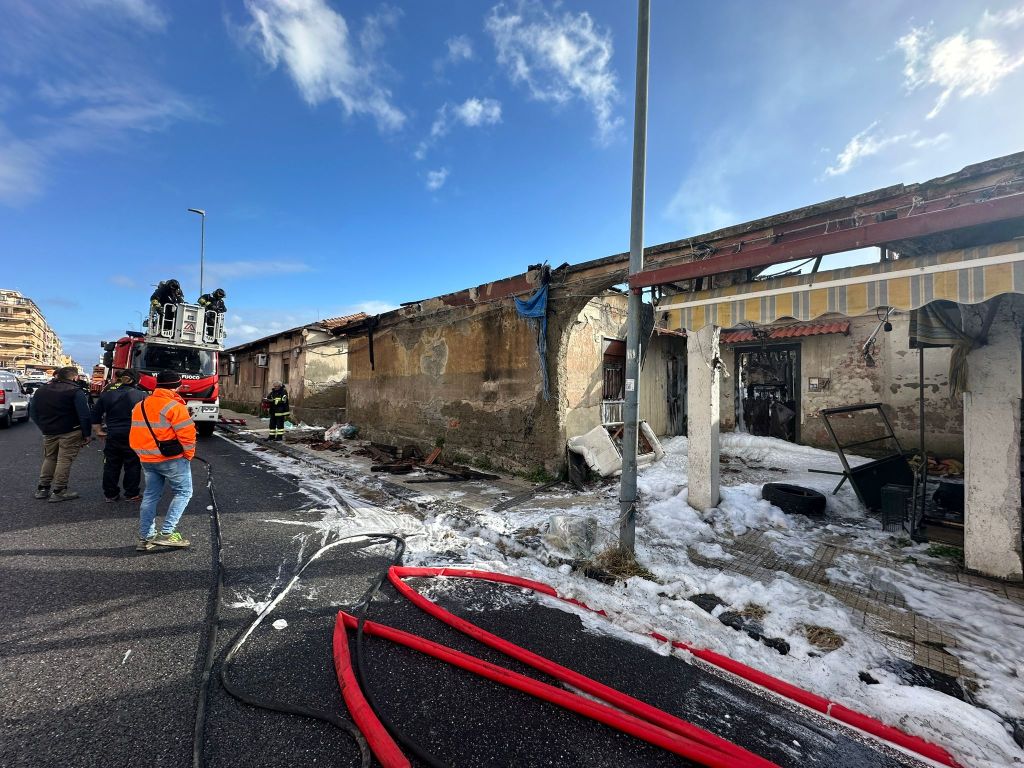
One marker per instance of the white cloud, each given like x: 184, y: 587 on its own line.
x: 239, y: 270
x: 459, y: 48
x: 931, y: 141
x: 122, y: 281
x: 314, y: 43
x: 142, y: 12
x: 558, y: 58
x: 959, y: 65
x: 21, y: 170
x: 103, y: 95
x: 864, y: 144
x: 472, y: 113
x: 436, y: 179
x: 1011, y: 17
x: 370, y: 307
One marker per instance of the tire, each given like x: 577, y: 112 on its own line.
x: 794, y: 499
x: 6, y: 421
x: 205, y: 428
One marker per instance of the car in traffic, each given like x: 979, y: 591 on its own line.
x: 13, y: 400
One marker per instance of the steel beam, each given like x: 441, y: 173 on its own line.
x: 818, y: 241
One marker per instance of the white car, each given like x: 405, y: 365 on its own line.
x: 13, y: 400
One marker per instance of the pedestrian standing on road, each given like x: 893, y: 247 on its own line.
x: 164, y: 437
x: 60, y: 409
x: 279, y: 410
x: 112, y: 421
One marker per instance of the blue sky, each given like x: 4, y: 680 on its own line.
x: 355, y: 155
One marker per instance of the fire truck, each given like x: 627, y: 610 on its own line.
x: 186, y: 339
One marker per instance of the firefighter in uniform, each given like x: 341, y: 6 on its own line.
x: 214, y: 301
x: 279, y: 410
x: 167, y: 292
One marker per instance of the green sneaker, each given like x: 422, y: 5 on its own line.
x: 62, y: 495
x: 172, y: 539
x: 145, y: 545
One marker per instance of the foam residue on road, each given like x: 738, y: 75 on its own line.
x: 668, y: 530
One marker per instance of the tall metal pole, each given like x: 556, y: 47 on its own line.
x: 627, y: 487
x: 202, y: 243
x: 202, y: 250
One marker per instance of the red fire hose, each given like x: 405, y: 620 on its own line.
x: 636, y: 718
x: 602, y: 713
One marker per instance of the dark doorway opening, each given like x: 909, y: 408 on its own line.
x: 676, y: 387
x: 768, y: 390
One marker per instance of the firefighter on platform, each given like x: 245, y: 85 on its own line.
x: 214, y: 301
x: 279, y: 410
x: 167, y: 292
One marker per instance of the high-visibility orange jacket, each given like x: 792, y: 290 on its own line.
x: 169, y: 418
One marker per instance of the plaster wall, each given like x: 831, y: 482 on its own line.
x: 992, y: 411
x: 253, y: 381
x: 467, y: 375
x: 583, y: 389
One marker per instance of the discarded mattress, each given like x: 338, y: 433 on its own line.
x: 602, y: 455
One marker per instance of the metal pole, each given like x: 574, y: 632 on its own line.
x: 202, y: 250
x: 627, y: 487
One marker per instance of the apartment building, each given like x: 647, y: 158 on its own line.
x: 26, y: 339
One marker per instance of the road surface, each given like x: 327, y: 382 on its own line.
x: 102, y: 647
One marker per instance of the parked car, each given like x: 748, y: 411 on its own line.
x: 31, y: 386
x: 13, y: 400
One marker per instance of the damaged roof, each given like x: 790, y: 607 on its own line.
x: 334, y: 325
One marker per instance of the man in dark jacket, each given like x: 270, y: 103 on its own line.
x: 60, y: 409
x: 113, y: 409
x: 214, y: 301
x: 167, y: 292
x: 279, y: 410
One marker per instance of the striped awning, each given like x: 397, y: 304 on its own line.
x: 968, y: 276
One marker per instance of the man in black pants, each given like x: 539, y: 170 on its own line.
x: 114, y: 407
x: 279, y: 410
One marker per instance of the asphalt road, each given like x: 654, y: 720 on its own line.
x: 102, y: 647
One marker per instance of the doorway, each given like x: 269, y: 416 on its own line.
x: 767, y: 392
x: 676, y: 391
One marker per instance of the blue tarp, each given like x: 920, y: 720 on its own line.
x: 536, y: 308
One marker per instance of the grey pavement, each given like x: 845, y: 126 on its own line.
x: 101, y: 646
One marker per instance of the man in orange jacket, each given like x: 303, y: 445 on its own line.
x: 164, y: 436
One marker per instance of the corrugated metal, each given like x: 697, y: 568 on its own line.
x: 788, y: 332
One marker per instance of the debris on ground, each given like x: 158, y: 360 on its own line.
x: 602, y: 451
x: 339, y: 432
x: 575, y: 535
x: 823, y: 638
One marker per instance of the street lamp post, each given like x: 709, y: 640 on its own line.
x: 202, y: 244
x: 630, y: 416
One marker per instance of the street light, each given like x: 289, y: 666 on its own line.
x: 202, y: 244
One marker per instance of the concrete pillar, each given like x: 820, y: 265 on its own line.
x: 702, y: 404
x: 992, y: 411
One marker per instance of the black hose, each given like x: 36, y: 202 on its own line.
x: 212, y: 622
x: 363, y: 605
x: 363, y: 678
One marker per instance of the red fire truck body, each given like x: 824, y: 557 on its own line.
x: 183, y: 338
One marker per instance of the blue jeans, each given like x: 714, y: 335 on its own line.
x: 178, y: 474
